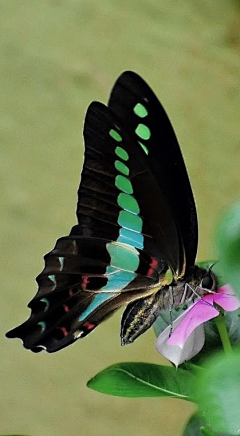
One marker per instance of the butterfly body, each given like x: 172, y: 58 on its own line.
x: 136, y: 224
x: 140, y: 316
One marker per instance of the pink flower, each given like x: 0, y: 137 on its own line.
x: 188, y: 337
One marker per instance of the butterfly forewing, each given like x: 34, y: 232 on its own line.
x: 138, y: 108
x: 135, y: 211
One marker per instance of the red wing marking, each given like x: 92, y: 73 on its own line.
x: 89, y: 326
x: 66, y: 308
x: 85, y: 282
x: 64, y: 330
x: 153, y: 265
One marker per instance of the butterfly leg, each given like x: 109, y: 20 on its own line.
x: 184, y: 294
x: 193, y: 290
x: 171, y: 304
x: 198, y: 294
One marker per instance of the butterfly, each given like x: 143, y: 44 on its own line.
x: 136, y: 239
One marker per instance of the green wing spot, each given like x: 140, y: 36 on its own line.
x: 42, y: 324
x: 46, y: 302
x: 145, y: 149
x: 53, y: 280
x: 120, y: 152
x: 121, y: 167
x: 115, y: 135
x: 61, y: 261
x: 128, y: 202
x: 124, y: 184
x: 123, y: 258
x: 140, y: 110
x: 130, y: 221
x: 143, y: 131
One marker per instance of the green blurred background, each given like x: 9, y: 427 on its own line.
x: 56, y: 57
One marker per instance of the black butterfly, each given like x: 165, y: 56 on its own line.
x: 136, y: 238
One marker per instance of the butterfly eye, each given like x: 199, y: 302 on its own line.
x: 208, y: 282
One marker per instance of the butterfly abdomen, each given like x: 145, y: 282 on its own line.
x: 140, y: 315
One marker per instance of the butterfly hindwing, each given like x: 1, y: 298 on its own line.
x: 79, y: 287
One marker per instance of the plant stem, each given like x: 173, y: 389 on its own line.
x: 223, y: 333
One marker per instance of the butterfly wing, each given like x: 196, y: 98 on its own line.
x: 136, y: 105
x: 125, y: 240
x: 103, y: 263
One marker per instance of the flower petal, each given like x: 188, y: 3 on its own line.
x: 177, y: 354
x: 226, y: 298
x: 197, y: 314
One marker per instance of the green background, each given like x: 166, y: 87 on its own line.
x: 56, y: 57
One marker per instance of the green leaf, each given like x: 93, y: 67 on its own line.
x: 217, y: 392
x: 228, y: 244
x: 198, y: 426
x: 143, y: 380
x: 212, y: 338
x: 193, y: 426
x: 205, y: 431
